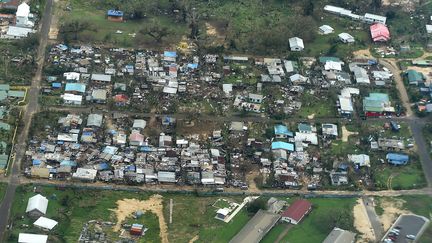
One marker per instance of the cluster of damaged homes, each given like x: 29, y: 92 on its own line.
x: 96, y: 147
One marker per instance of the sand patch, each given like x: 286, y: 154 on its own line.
x: 392, y: 209
x: 211, y: 30
x: 362, y: 223
x: 127, y: 207
x: 362, y: 53
x: 311, y: 116
x: 346, y: 134
x: 194, y: 239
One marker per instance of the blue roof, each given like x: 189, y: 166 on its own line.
x: 283, y: 145
x: 36, y: 162
x: 102, y: 166
x: 75, y: 87
x: 56, y: 85
x: 70, y: 163
x: 145, y: 149
x: 282, y: 130
x: 192, y: 65
x: 131, y: 168
x: 115, y: 13
x: 397, y: 159
x: 170, y: 54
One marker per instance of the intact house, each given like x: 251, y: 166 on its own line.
x: 377, y: 104
x: 99, y: 96
x: 37, y: 206
x: 115, y: 15
x: 296, y: 211
x: 296, y: 44
x: 281, y: 131
x: 346, y: 38
x: 379, y: 32
x: 397, y: 159
x: 359, y: 159
x: 329, y: 130
x: 72, y: 99
x: 414, y: 77
x: 325, y: 29
x: 345, y: 103
x: 338, y: 235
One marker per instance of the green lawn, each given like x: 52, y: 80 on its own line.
x: 326, y: 214
x: 192, y: 215
x: 274, y: 233
x: 104, y: 31
x: 404, y: 177
x: 313, y: 105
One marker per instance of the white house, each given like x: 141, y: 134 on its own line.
x: 373, y: 18
x: 429, y: 28
x: 296, y: 44
x: 325, y: 29
x: 346, y: 38
x: 16, y: 32
x: 72, y: 99
x: 22, y: 16
x: 45, y: 224
x: 37, y: 206
x: 32, y: 238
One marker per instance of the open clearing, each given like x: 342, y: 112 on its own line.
x: 127, y: 207
x: 391, y: 210
x: 346, y: 134
x: 362, y: 223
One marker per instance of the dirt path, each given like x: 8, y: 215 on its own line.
x: 392, y: 209
x: 362, y: 53
x: 59, y: 5
x: 346, y: 134
x: 251, y: 182
x: 283, y: 233
x: 391, y: 64
x: 362, y: 223
x: 194, y: 239
x: 126, y: 207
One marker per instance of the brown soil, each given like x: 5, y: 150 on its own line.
x: 194, y: 239
x: 127, y: 207
x: 362, y: 223
x: 392, y: 209
x: 346, y: 134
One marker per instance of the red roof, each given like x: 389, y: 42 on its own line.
x: 121, y: 98
x: 297, y: 210
x: 379, y: 32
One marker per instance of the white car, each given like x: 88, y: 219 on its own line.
x: 411, y: 237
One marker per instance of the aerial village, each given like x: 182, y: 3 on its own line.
x: 126, y: 147
x: 262, y: 136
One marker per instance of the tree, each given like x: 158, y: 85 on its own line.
x: 74, y: 28
x: 377, y: 4
x: 308, y: 8
x: 156, y: 31
x: 257, y: 204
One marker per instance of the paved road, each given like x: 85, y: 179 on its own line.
x: 31, y: 108
x: 373, y: 217
x: 422, y: 149
x: 409, y: 225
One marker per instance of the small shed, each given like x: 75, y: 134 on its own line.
x: 115, y: 15
x: 296, y: 44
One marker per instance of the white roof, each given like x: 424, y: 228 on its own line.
x: 289, y: 66
x: 23, y: 10
x: 331, y: 65
x: 348, y: 91
x: 227, y: 88
x: 306, y: 137
x: 67, y: 137
x: 45, y: 223
x: 139, y: 123
x: 32, y: 238
x: 223, y: 211
x: 346, y: 104
x: 72, y: 76
x: 326, y: 28
x: 169, y: 90
x: 429, y: 28
x: 296, y: 42
x: 18, y: 31
x: 101, y: 77
x: 37, y: 202
x: 86, y: 174
x: 346, y: 36
x: 72, y: 97
x: 379, y: 18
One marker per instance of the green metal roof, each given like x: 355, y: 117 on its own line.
x: 3, y: 95
x: 4, y: 87
x: 327, y: 59
x: 5, y: 126
x: 414, y: 76
x: 16, y: 93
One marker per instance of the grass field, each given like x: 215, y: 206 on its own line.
x: 316, y: 107
x: 403, y: 177
x: 192, y: 215
x: 317, y: 225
